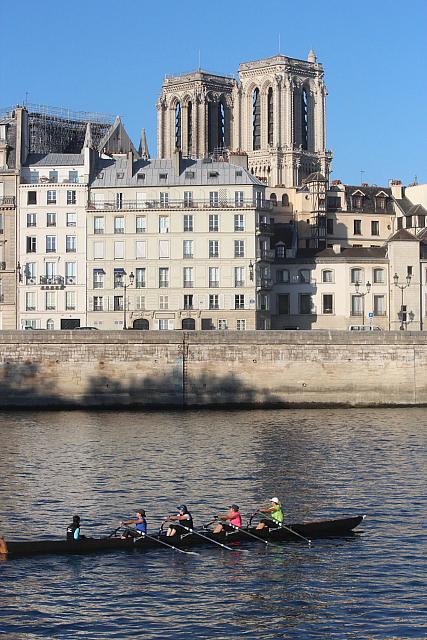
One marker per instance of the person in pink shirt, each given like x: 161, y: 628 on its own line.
x: 233, y: 517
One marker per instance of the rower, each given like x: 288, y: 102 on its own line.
x: 276, y: 514
x: 184, y: 517
x: 73, y: 530
x: 233, y: 517
x: 140, y: 525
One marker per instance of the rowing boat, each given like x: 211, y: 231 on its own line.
x: 293, y: 531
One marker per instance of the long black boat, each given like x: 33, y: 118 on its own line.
x: 289, y: 532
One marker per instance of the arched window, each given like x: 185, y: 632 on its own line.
x: 221, y: 125
x: 189, y: 324
x: 178, y: 126
x: 304, y: 119
x: 50, y: 325
x: 141, y: 324
x: 190, y: 128
x: 285, y: 200
x: 256, y: 120
x: 273, y: 199
x: 270, y: 116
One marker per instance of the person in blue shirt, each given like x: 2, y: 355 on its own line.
x: 73, y: 530
x: 140, y: 525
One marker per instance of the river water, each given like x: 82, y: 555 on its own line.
x: 322, y: 463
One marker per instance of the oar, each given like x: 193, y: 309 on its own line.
x: 282, y: 526
x: 113, y: 533
x: 252, y: 535
x: 170, y: 546
x: 196, y: 533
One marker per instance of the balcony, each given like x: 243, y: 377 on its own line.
x: 264, y: 228
x: 54, y: 282
x: 265, y: 283
x: 7, y: 202
x: 239, y: 283
x: 213, y: 284
x: 188, y: 284
x: 265, y: 255
x: 133, y: 205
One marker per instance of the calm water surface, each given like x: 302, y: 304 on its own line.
x: 321, y: 463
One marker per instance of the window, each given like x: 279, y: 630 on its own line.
x: 187, y: 249
x: 381, y: 202
x: 188, y: 198
x: 356, y: 305
x: 141, y: 224
x: 163, y: 277
x: 222, y: 325
x: 51, y: 220
x: 53, y: 176
x: 188, y: 277
x: 141, y: 251
x: 240, y: 325
x: 285, y: 200
x: 98, y: 303
x: 164, y: 249
x: 378, y: 276
x: 98, y: 225
x: 213, y: 198
x: 213, y: 222
x: 50, y: 325
x: 30, y: 272
x: 73, y: 176
x: 30, y: 301
x: 239, y: 222
x: 358, y: 202
x: 70, y: 272
x: 71, y: 219
x: 238, y: 198
x: 283, y: 304
x: 399, y: 223
x: 98, y: 250
x: 256, y: 120
x: 357, y: 276
x: 188, y: 222
x: 51, y: 197
x: 163, y: 302
x: 70, y: 244
x: 118, y: 303
x: 305, y: 304
x: 327, y: 303
x: 119, y: 250
x: 32, y: 197
x: 140, y: 305
x: 375, y: 228
x: 214, y: 301
x: 71, y: 197
x: 213, y: 249
x: 213, y: 277
x: 119, y: 200
x: 164, y: 199
x: 140, y: 281
x: 239, y: 248
x: 239, y: 276
x: 98, y: 278
x: 329, y: 226
x: 282, y: 275
x: 273, y: 199
x: 34, y: 177
x: 31, y: 220
x: 409, y: 271
x: 188, y: 301
x: 239, y: 301
x: 163, y: 224
x: 50, y: 269
x: 304, y: 275
x: 119, y: 224
x: 357, y: 227
x: 50, y: 244
x: 119, y: 275
x: 50, y: 300
x: 70, y: 300
x: 163, y: 324
x: 327, y: 275
x: 379, y: 305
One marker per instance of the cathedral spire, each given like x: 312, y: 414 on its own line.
x: 143, y: 146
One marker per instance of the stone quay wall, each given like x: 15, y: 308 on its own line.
x: 196, y: 369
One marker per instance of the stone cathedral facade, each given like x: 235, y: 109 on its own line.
x: 275, y: 113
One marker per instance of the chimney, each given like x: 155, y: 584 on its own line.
x: 396, y: 189
x: 129, y: 166
x: 336, y: 248
x: 176, y: 162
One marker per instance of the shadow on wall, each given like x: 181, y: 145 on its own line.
x: 24, y: 386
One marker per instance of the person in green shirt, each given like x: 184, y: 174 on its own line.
x: 276, y: 515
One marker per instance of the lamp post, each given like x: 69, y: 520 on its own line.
x: 125, y: 286
x: 362, y: 296
x: 402, y: 288
x: 251, y: 270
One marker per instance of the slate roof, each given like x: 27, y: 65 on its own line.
x: 369, y: 198
x: 403, y: 235
x: 54, y: 159
x: 347, y: 253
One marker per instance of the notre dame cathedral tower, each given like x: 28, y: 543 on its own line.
x: 275, y: 113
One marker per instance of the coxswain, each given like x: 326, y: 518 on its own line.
x: 183, y: 517
x: 233, y: 517
x: 140, y: 525
x: 73, y: 529
x: 276, y: 515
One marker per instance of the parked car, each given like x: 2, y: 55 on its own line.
x: 364, y: 327
x: 85, y: 329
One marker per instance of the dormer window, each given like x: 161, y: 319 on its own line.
x: 120, y: 175
x: 190, y: 174
x: 213, y: 174
x: 140, y: 176
x: 381, y: 203
x: 163, y: 176
x: 358, y: 202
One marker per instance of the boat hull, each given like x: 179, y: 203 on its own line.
x: 317, y: 529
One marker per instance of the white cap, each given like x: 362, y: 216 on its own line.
x: 276, y: 500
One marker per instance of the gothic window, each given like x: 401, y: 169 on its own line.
x: 221, y: 125
x: 304, y: 119
x: 178, y: 126
x: 285, y: 200
x: 256, y: 120
x: 273, y: 199
x: 270, y: 116
x: 190, y: 128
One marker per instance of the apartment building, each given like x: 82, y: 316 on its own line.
x: 177, y: 244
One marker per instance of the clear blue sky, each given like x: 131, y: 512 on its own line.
x: 111, y: 57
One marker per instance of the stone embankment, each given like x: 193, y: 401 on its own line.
x: 192, y: 369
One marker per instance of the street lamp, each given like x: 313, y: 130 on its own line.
x: 362, y: 296
x: 125, y: 286
x: 402, y: 288
x: 251, y: 270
